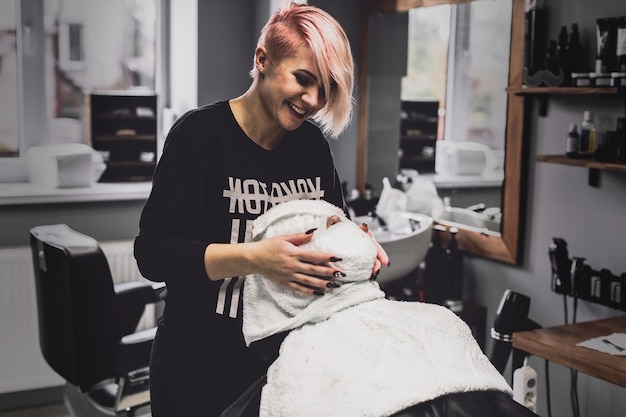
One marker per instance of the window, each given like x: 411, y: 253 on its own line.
x: 71, y: 50
x: 67, y: 48
x: 459, y: 56
x: 9, y: 75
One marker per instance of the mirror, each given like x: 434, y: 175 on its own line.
x: 505, y: 245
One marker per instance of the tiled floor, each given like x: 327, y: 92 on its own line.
x: 57, y: 410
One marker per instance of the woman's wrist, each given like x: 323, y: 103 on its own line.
x: 225, y: 260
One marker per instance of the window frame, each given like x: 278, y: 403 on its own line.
x: 31, y: 88
x: 66, y: 47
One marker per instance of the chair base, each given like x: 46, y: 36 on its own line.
x: 80, y: 405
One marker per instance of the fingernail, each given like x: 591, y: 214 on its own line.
x: 308, y: 232
x: 332, y: 285
x: 318, y: 293
x: 339, y: 274
x: 374, y: 276
x: 388, y: 263
x: 334, y: 259
x: 365, y: 226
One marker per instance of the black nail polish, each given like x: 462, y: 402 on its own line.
x: 318, y: 292
x: 332, y: 285
x: 388, y: 264
x: 339, y: 274
x: 335, y: 259
x: 308, y: 232
x: 375, y: 275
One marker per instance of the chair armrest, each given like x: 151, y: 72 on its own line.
x: 139, y: 337
x: 139, y: 291
x: 131, y: 299
x: 134, y: 350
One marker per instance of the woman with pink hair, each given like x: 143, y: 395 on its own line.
x: 223, y: 165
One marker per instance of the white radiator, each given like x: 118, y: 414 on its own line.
x: 22, y: 367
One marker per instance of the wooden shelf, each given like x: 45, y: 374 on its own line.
x: 542, y: 93
x: 567, y: 90
x: 593, y: 165
x: 124, y: 135
x: 579, y: 162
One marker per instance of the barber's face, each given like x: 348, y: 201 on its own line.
x: 291, y: 91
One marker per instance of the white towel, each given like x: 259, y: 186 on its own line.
x: 270, y: 308
x: 352, y: 352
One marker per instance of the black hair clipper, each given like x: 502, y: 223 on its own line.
x: 561, y: 282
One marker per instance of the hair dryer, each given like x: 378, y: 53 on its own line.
x: 512, y: 316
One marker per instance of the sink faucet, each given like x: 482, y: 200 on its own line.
x: 478, y: 208
x: 375, y: 217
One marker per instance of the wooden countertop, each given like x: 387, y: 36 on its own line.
x: 558, y: 344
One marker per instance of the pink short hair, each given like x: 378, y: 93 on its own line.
x: 298, y: 25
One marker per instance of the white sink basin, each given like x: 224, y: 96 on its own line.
x: 405, y: 238
x: 462, y: 216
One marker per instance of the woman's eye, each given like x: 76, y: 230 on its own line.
x: 303, y: 81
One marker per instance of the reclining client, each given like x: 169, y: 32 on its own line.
x: 353, y: 352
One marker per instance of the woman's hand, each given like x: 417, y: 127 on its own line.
x: 381, y: 255
x: 282, y: 260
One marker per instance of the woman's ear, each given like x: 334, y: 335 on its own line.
x: 260, y: 59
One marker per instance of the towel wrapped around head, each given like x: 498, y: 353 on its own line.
x: 352, y: 352
x: 271, y: 308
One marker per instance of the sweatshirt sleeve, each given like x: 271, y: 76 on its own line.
x: 169, y: 245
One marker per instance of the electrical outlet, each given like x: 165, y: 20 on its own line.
x: 525, y: 387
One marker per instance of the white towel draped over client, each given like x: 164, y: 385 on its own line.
x: 352, y: 352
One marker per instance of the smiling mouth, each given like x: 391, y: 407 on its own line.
x: 299, y: 112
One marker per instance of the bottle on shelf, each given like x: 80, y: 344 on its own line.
x: 621, y: 140
x: 454, y: 261
x: 562, y: 54
x: 572, y: 143
x: 575, y: 51
x: 587, y: 144
x: 552, y: 61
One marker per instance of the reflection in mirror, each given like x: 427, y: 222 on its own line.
x: 453, y: 105
x: 475, y: 117
x: 458, y: 57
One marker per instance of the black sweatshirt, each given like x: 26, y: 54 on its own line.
x: 211, y: 182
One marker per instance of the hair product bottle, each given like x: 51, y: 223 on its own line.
x: 562, y: 54
x: 573, y: 139
x: 575, y: 51
x: 621, y: 44
x: 587, y: 144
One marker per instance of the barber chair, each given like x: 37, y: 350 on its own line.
x: 87, y: 324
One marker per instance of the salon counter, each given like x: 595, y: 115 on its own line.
x: 27, y: 193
